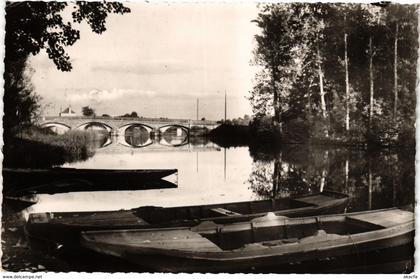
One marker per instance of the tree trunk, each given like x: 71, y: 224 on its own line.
x: 324, y: 172
x: 276, y: 103
x: 321, y: 91
x: 309, y: 107
x: 370, y: 186
x: 276, y: 175
x: 346, y: 174
x: 395, y: 70
x: 321, y: 86
x: 347, y: 83
x: 371, y: 85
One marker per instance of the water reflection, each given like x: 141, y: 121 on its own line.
x: 137, y: 136
x: 279, y: 179
x: 207, y: 174
x: 373, y: 179
x: 174, y: 136
x: 102, y: 139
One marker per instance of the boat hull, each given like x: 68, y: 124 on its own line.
x: 167, y: 263
x: 64, y: 228
x: 192, y: 254
x: 18, y: 182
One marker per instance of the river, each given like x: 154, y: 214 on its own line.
x: 208, y: 173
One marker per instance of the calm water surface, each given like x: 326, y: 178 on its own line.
x: 208, y: 173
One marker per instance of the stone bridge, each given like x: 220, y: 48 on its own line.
x: 119, y: 125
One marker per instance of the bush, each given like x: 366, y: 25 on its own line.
x: 296, y: 131
x: 198, y: 131
x: 265, y: 129
x: 38, y: 147
x: 230, y: 135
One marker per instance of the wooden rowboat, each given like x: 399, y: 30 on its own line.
x: 18, y: 182
x: 19, y: 203
x: 263, y: 241
x: 65, y: 227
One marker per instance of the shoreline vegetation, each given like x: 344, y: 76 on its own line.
x: 262, y: 131
x: 336, y: 74
x: 35, y: 147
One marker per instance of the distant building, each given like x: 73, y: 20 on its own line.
x: 67, y: 112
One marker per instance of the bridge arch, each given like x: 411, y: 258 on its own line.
x: 163, y: 129
x: 107, y: 142
x: 56, y: 127
x: 122, y: 129
x: 181, y: 137
x: 136, y: 135
x: 96, y: 126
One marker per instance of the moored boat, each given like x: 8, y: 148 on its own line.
x: 19, y: 203
x: 263, y: 241
x: 63, y: 228
x: 18, y: 182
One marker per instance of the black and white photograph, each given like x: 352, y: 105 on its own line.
x: 209, y: 137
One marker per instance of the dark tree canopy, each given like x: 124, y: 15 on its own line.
x: 131, y: 115
x: 32, y: 26
x: 88, y: 111
x: 346, y: 71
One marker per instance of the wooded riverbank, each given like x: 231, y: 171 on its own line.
x: 34, y: 147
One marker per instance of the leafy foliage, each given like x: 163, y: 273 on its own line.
x: 33, y: 26
x: 300, y: 50
x: 88, y: 111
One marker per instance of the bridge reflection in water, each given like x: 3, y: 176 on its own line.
x: 139, y: 139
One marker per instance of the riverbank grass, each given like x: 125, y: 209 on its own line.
x: 35, y: 147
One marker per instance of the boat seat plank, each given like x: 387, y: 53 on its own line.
x: 101, y: 219
x: 385, y: 218
x: 224, y: 212
x: 320, y: 235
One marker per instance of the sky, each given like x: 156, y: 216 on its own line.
x: 157, y: 60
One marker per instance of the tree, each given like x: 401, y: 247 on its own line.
x: 289, y: 48
x: 261, y: 98
x: 401, y: 22
x: 276, y: 53
x: 307, y: 52
x: 33, y: 26
x: 21, y: 105
x: 88, y: 111
x: 130, y: 115
x: 373, y: 18
x: 346, y: 66
x: 314, y: 18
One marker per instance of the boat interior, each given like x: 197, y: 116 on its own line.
x: 284, y: 231
x: 155, y: 215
